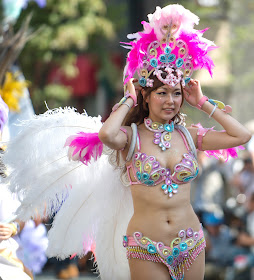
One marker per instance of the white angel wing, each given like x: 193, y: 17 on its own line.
x: 96, y: 207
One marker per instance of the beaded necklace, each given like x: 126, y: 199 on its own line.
x: 162, y: 132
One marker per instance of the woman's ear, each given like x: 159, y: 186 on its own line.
x: 144, y: 94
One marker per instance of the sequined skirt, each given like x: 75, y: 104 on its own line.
x: 182, y: 251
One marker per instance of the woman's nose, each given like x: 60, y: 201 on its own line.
x: 170, y: 99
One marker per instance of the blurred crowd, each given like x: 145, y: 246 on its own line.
x: 223, y: 198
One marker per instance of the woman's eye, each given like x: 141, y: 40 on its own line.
x: 161, y: 92
x: 177, y: 93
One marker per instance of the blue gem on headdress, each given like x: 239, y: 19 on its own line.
x: 171, y: 57
x: 163, y: 58
x: 154, y: 62
x: 187, y: 80
x: 179, y: 62
x: 142, y: 82
x: 167, y: 50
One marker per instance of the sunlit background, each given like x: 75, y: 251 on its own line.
x: 68, y: 53
x: 74, y: 57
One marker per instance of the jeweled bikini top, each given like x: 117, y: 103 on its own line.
x: 147, y: 170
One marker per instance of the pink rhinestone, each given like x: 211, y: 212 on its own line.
x: 156, y: 141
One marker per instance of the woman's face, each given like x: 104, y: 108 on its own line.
x: 164, y: 103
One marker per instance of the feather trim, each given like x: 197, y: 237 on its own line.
x: 84, y: 147
x: 224, y: 154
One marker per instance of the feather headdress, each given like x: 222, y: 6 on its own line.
x: 168, y: 42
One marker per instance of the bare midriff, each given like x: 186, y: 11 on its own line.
x: 159, y: 217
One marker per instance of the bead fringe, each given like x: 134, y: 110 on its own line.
x: 175, y: 271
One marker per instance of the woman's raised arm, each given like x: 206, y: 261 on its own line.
x: 110, y: 134
x: 235, y: 133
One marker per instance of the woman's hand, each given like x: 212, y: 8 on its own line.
x: 6, y: 231
x: 131, y: 87
x: 192, y: 92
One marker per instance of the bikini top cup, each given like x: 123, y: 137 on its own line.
x: 148, y: 171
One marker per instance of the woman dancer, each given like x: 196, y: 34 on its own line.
x: 164, y: 230
x: 144, y: 136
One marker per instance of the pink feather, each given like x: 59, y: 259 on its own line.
x: 198, y: 49
x: 224, y: 153
x: 84, y: 147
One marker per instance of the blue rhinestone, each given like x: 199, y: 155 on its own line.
x: 183, y: 246
x: 151, y: 249
x: 162, y: 58
x: 138, y: 175
x: 187, y: 80
x: 149, y: 182
x: 170, y: 189
x: 168, y: 127
x: 154, y: 62
x: 171, y: 57
x: 170, y: 260
x: 145, y: 176
x: 176, y: 252
x: 174, y: 186
x: 164, y: 186
x: 179, y: 62
x: 142, y: 82
x: 167, y: 50
x: 163, y: 149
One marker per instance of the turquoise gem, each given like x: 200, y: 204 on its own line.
x: 142, y: 82
x: 179, y: 62
x: 171, y: 57
x: 170, y: 189
x: 149, y: 182
x: 138, y: 175
x: 145, y: 176
x: 151, y: 249
x: 187, y: 179
x: 125, y: 238
x: 162, y: 58
x: 175, y: 252
x: 183, y: 246
x: 169, y: 127
x: 164, y: 186
x: 154, y: 62
x: 170, y: 260
x: 187, y: 80
x: 174, y: 186
x: 167, y: 50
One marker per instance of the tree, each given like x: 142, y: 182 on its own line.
x: 64, y: 29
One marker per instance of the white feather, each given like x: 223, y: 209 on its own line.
x: 97, y: 207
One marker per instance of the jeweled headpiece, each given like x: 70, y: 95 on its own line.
x: 169, y: 47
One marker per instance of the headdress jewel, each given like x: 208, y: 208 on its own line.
x: 168, y: 44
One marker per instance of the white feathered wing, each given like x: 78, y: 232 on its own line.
x: 96, y: 208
